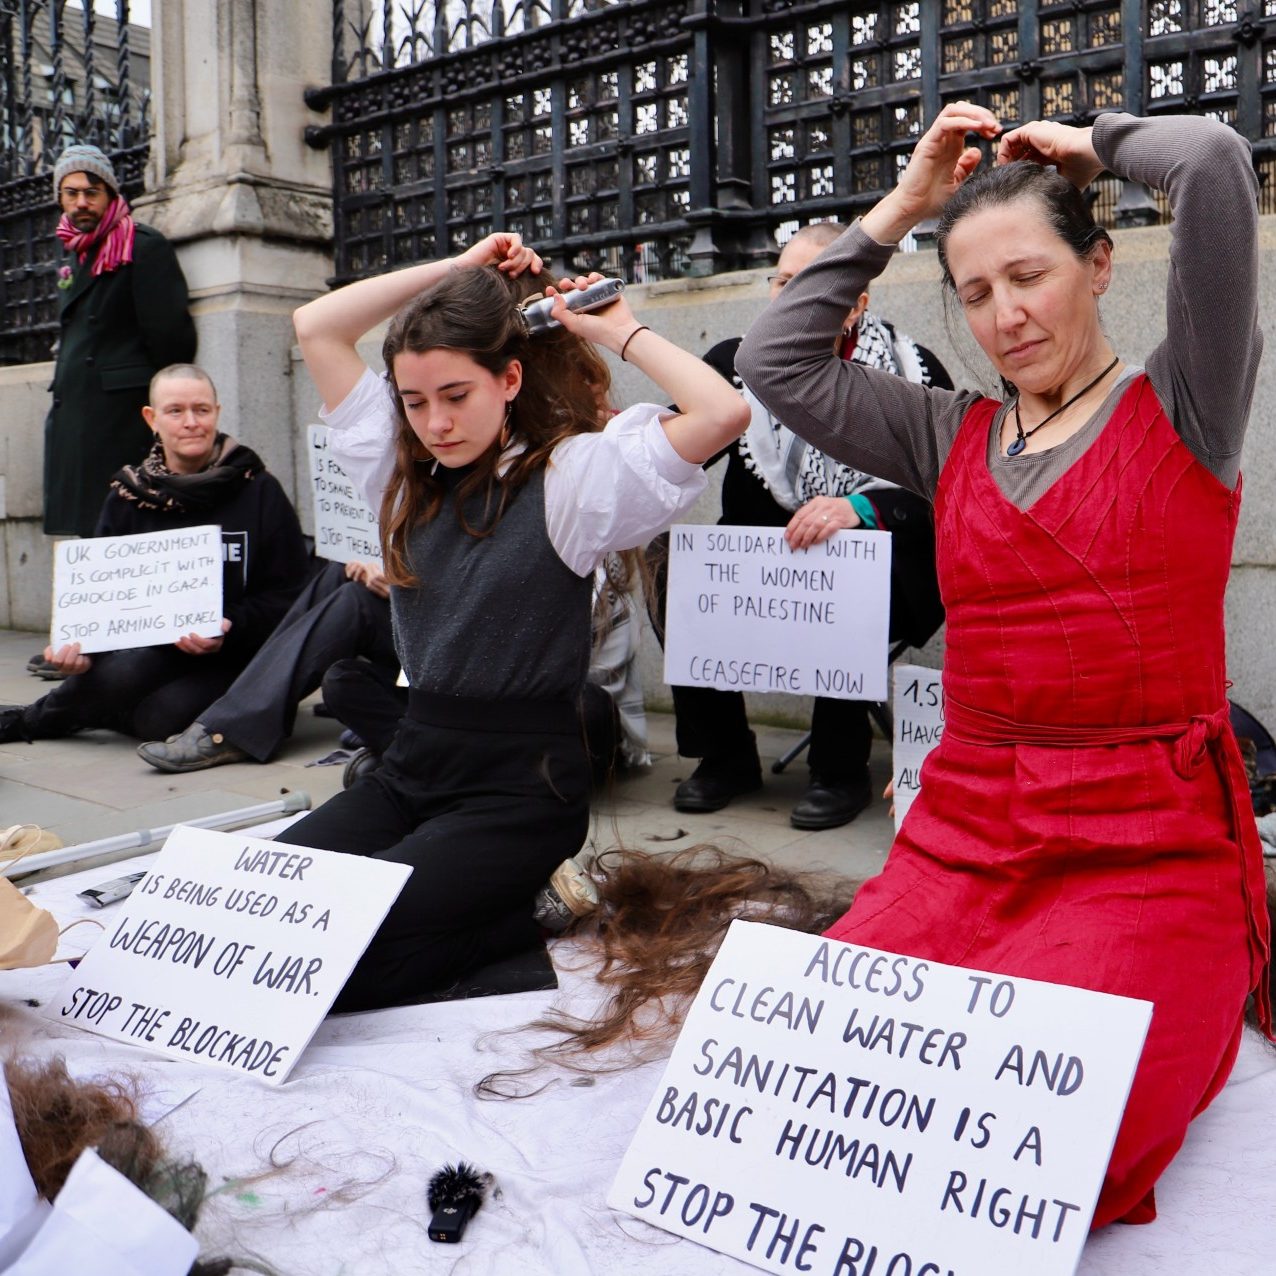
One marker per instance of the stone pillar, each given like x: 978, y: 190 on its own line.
x: 246, y: 203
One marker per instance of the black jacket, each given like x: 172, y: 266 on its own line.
x: 118, y: 330
x: 264, y: 561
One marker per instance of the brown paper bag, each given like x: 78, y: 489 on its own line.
x: 28, y: 935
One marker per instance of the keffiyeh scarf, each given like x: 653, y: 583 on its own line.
x: 792, y: 469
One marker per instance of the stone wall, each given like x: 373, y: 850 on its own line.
x: 695, y: 314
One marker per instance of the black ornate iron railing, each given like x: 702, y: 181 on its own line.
x: 661, y: 137
x: 67, y: 73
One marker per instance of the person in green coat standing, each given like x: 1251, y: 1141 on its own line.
x: 122, y: 304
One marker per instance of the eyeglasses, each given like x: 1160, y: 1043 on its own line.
x: 74, y: 192
x: 778, y: 281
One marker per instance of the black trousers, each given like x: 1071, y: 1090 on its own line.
x: 484, y: 800
x: 364, y: 697
x: 148, y: 693
x: 712, y: 724
x: 332, y: 618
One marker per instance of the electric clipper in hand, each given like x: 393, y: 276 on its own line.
x: 594, y: 297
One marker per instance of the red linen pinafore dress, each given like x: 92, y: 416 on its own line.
x: 1085, y: 818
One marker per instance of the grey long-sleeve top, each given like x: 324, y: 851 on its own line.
x: 1203, y: 372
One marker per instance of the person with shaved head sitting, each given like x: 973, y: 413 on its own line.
x: 194, y: 474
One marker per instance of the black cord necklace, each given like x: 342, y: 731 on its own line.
x: 1022, y: 436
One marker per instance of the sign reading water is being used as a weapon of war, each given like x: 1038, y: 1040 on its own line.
x: 345, y: 527
x: 841, y: 1111
x: 115, y: 592
x: 747, y: 613
x: 919, y: 723
x: 230, y: 950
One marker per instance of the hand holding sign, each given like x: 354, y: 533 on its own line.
x: 196, y: 645
x: 818, y: 519
x: 68, y: 659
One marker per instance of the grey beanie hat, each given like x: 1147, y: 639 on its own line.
x: 84, y: 159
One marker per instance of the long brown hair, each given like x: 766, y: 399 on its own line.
x: 660, y: 922
x: 57, y: 1116
x: 474, y: 310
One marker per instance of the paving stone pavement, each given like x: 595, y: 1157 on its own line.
x: 94, y: 785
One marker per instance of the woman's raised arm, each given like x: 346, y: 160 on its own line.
x: 330, y: 327
x: 711, y: 412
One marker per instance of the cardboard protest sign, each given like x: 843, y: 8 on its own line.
x: 747, y: 613
x: 842, y: 1111
x: 111, y: 593
x: 345, y: 526
x: 919, y: 723
x: 230, y: 951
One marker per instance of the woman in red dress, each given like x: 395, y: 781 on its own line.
x: 1085, y: 819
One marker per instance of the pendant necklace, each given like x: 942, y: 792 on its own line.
x: 1022, y: 436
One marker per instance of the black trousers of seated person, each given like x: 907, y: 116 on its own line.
x: 484, y: 800
x: 148, y: 693
x: 331, y: 618
x: 713, y: 724
x: 363, y: 696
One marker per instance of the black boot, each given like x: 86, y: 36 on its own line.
x: 12, y: 727
x: 828, y: 803
x: 719, y: 778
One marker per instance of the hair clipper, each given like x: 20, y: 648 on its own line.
x: 594, y: 297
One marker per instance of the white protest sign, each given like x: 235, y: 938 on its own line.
x: 919, y: 723
x: 230, y: 951
x: 115, y: 592
x: 845, y: 1112
x: 747, y: 613
x: 345, y: 526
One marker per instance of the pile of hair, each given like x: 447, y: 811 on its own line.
x: 58, y: 1117
x: 659, y: 925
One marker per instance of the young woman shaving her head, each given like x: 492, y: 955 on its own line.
x: 1085, y: 819
x: 500, y: 491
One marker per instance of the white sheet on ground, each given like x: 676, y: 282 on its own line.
x: 381, y: 1100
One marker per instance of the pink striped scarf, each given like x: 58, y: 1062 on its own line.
x: 115, y: 233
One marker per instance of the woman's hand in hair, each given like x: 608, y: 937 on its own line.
x: 941, y: 161
x: 506, y: 252
x: 1070, y: 150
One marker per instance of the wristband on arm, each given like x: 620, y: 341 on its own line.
x: 864, y: 508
